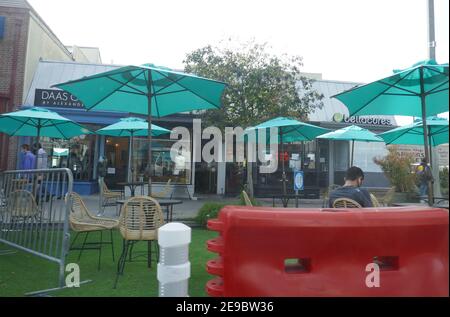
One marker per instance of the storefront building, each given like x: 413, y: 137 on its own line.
x: 25, y: 38
x: 81, y: 154
x: 324, y: 162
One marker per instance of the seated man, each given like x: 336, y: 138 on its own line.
x: 351, y: 189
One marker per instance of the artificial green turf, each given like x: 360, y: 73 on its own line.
x: 22, y: 272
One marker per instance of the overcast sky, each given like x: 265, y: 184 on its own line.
x: 348, y: 40
x: 351, y: 40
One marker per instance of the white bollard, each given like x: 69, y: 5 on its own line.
x: 174, y: 268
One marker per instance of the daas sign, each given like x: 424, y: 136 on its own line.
x: 56, y: 98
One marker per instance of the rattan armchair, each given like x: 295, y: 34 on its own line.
x: 346, y: 203
x: 82, y: 221
x: 109, y: 197
x: 247, y: 200
x: 139, y: 220
x: 386, y: 200
x: 22, y: 205
x: 326, y: 195
x: 375, y: 202
x: 164, y: 192
x: 2, y: 204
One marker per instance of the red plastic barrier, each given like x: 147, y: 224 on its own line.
x: 323, y: 252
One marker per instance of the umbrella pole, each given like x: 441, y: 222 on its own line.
x: 131, y: 156
x: 149, y: 104
x: 425, y: 133
x: 282, y: 163
x: 149, y: 96
x: 38, y: 138
x: 353, y: 152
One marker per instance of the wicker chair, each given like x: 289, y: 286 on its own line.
x: 326, y: 195
x: 346, y: 203
x: 109, y: 197
x: 164, y: 192
x: 375, y: 202
x: 139, y: 220
x: 2, y: 204
x: 247, y: 200
x: 22, y: 205
x: 82, y: 221
x: 386, y: 200
x: 19, y: 183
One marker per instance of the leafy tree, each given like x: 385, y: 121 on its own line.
x: 261, y: 86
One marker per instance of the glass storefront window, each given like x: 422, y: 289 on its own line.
x: 163, y: 168
x: 365, y: 152
x: 77, y: 154
x: 341, y: 155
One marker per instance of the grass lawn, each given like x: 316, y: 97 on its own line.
x: 22, y: 272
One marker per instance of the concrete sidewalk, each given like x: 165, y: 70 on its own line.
x: 189, y: 208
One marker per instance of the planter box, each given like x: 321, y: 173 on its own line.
x: 405, y: 198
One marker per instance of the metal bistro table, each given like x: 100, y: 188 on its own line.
x: 168, y: 203
x: 132, y: 186
x: 285, y: 199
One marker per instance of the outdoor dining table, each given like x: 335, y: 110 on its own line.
x: 285, y: 199
x: 168, y: 203
x: 132, y: 186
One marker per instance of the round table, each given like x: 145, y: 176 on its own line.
x: 168, y: 203
x: 132, y: 186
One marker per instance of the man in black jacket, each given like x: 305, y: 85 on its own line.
x: 352, y: 188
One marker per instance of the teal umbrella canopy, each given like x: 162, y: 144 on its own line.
x: 289, y: 130
x: 147, y: 89
x: 127, y: 89
x: 413, y: 133
x: 131, y: 126
x: 352, y: 133
x: 402, y: 93
x: 39, y: 122
x: 420, y: 91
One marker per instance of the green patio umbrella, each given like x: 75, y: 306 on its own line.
x: 421, y: 91
x: 37, y: 122
x: 413, y: 133
x: 131, y: 127
x: 289, y: 130
x: 147, y: 89
x: 352, y: 133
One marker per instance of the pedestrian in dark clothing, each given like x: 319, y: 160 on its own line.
x: 352, y: 188
x: 424, y: 175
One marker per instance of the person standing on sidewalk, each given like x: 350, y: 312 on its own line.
x: 41, y: 157
x: 424, y: 176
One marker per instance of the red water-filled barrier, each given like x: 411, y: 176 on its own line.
x: 329, y: 252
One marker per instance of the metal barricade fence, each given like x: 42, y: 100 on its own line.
x: 34, y: 214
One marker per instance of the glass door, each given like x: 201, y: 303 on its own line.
x: 116, y: 152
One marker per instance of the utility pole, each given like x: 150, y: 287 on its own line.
x: 431, y: 34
